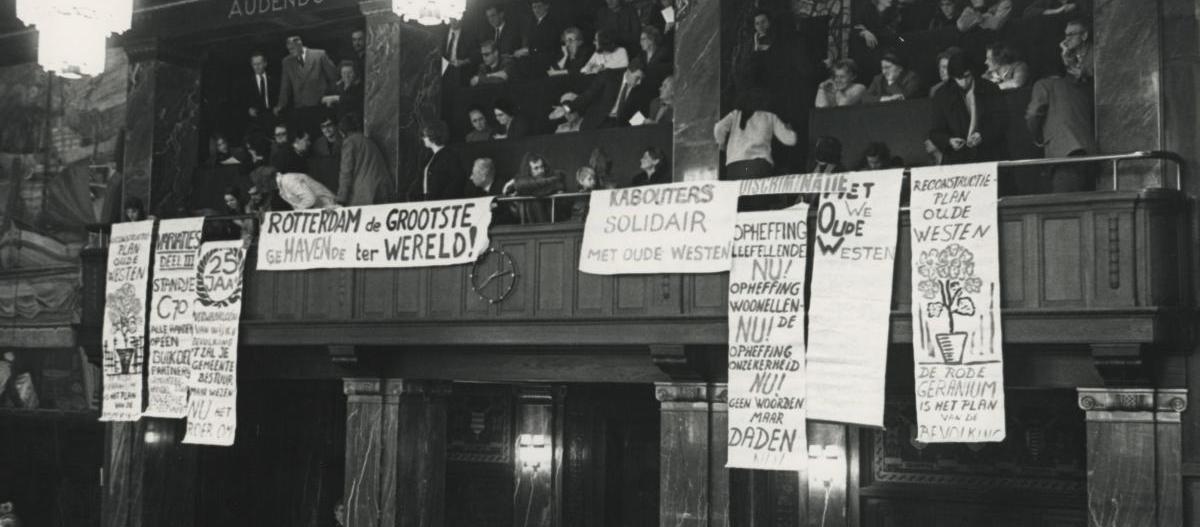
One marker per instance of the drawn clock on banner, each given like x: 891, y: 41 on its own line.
x: 493, y: 267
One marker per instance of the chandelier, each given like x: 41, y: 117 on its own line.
x: 72, y: 33
x: 429, y: 12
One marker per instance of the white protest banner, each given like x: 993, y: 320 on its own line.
x: 212, y: 404
x: 420, y: 234
x: 766, y: 341
x: 670, y: 228
x: 124, y: 330
x: 172, y: 293
x: 850, y: 310
x: 957, y: 353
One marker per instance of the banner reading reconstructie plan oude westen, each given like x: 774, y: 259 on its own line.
x: 423, y: 234
x: 124, y: 330
x: 671, y: 228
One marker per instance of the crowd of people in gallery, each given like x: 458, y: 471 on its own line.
x: 612, y: 67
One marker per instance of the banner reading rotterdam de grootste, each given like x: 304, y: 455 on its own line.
x: 957, y: 353
x: 422, y: 234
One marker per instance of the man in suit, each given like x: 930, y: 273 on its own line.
x: 308, y: 75
x: 506, y: 37
x: 620, y: 21
x: 358, y: 48
x: 495, y: 68
x: 612, y: 99
x: 458, y: 53
x: 257, y: 98
x: 364, y: 178
x: 968, y: 117
x: 330, y: 142
x: 293, y: 158
x: 540, y: 36
x: 442, y: 176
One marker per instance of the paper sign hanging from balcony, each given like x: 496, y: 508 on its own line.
x: 854, y: 262
x: 172, y: 293
x: 957, y: 353
x: 212, y: 403
x: 671, y: 228
x: 124, y: 330
x: 766, y: 341
x: 421, y: 234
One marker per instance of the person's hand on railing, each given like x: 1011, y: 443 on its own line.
x: 974, y: 139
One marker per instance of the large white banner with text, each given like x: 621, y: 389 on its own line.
x: 854, y: 262
x: 124, y: 330
x: 172, y: 293
x: 670, y: 228
x: 766, y: 341
x: 419, y: 234
x: 212, y: 404
x: 957, y: 352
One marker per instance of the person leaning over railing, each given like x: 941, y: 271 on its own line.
x: 536, y: 178
x: 297, y: 189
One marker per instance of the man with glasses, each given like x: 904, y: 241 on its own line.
x: 495, y: 69
x: 1076, y: 49
x: 1059, y: 115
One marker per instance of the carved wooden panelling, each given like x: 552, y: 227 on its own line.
x: 707, y: 294
x: 480, y: 419
x: 901, y: 285
x: 1113, y: 263
x: 1012, y: 263
x: 289, y: 292
x: 409, y: 293
x: 446, y: 291
x: 553, y: 287
x: 1062, y: 261
x: 1164, y: 240
x: 327, y: 294
x: 376, y: 295
x: 519, y: 303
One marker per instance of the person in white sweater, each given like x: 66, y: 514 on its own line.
x: 745, y: 135
x: 298, y: 190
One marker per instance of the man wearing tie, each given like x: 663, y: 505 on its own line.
x: 308, y: 75
x: 257, y: 99
x: 612, y: 99
x: 507, y: 39
x: 456, y: 51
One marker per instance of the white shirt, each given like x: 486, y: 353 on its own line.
x: 303, y: 192
x: 452, y: 43
x: 753, y: 141
x: 613, y: 60
x: 263, y: 87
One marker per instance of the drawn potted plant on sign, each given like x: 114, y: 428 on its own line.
x: 125, y: 314
x: 949, y: 275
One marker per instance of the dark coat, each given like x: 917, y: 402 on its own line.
x: 350, y: 99
x: 510, y: 37
x: 596, y: 103
x: 363, y: 178
x: 952, y: 119
x: 303, y: 85
x: 445, y: 178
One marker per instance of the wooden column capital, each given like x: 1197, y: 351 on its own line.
x: 1132, y: 404
x: 417, y: 387
x: 362, y: 387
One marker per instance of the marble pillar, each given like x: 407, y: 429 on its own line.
x: 417, y: 454
x: 364, y: 423
x: 161, y: 114
x: 1129, y: 91
x: 1134, y: 456
x: 149, y: 476
x: 403, y: 88
x: 693, y: 480
x: 697, y: 89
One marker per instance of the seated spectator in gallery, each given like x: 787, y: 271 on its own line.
x: 258, y: 150
x: 586, y: 182
x: 220, y: 152
x: 827, y: 156
x: 662, y: 108
x: 536, y: 178
x: 296, y: 189
x: 968, y: 117
x: 943, y: 59
x: 235, y: 205
x: 985, y: 14
x: 1076, y: 50
x: 608, y: 55
x: 573, y: 55
x: 1058, y: 7
x: 481, y: 129
x: 135, y: 210
x: 281, y: 139
x: 512, y: 125
x: 483, y: 181
x: 655, y: 168
x: 763, y: 37
x: 442, y: 175
x: 612, y: 99
x: 363, y: 176
x: 878, y: 156
x: 540, y: 35
x: 946, y: 15
x: 895, y: 81
x: 329, y: 145
x: 1060, y: 119
x: 840, y: 89
x: 346, y: 95
x: 601, y: 165
x: 571, y: 119
x: 746, y: 134
x: 1004, y: 68
x: 505, y: 37
x: 619, y: 21
x: 295, y: 157
x: 874, y: 26
x: 494, y: 68
x: 656, y: 60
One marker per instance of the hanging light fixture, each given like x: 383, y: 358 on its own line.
x: 72, y: 33
x: 429, y: 12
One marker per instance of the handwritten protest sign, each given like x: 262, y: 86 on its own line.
x: 854, y: 262
x: 212, y: 405
x: 672, y: 228
x: 124, y: 330
x: 957, y: 353
x: 172, y: 293
x: 422, y: 234
x: 766, y: 341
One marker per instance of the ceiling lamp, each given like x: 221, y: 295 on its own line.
x: 72, y: 33
x: 429, y: 12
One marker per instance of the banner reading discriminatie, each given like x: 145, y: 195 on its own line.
x: 172, y: 293
x: 957, y: 354
x: 671, y: 228
x: 124, y: 330
x: 422, y: 234
x: 212, y: 405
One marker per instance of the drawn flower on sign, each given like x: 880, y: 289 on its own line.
x: 949, y: 275
x: 125, y: 311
